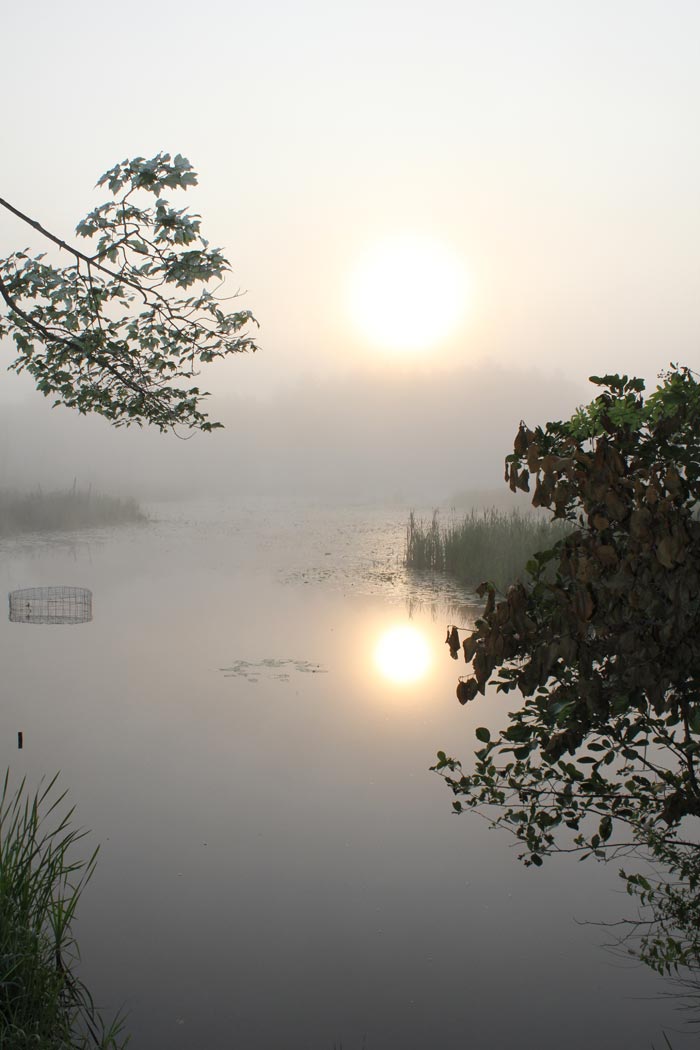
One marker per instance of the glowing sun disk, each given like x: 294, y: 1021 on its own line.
x: 402, y: 654
x: 408, y: 293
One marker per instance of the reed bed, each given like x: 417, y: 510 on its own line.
x: 43, y: 1004
x: 486, y: 545
x: 64, y: 510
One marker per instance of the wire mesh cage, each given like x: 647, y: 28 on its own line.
x: 51, y: 605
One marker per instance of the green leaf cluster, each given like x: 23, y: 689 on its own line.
x: 123, y: 330
x: 601, y: 644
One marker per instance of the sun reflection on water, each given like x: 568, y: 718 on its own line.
x: 402, y: 654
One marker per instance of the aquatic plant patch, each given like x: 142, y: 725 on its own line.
x: 73, y: 508
x: 43, y: 1003
x: 282, y: 670
x: 488, y: 545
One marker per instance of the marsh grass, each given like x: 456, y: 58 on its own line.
x: 486, y: 545
x: 71, y: 508
x: 43, y: 1004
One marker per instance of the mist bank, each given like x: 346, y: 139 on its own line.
x: 417, y: 438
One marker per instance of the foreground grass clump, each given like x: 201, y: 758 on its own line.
x: 70, y: 509
x: 489, y: 545
x: 43, y: 1004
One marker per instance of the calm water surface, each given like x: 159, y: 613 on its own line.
x: 279, y: 870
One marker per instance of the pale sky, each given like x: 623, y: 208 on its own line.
x: 551, y: 148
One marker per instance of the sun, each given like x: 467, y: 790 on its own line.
x: 408, y: 293
x: 402, y: 654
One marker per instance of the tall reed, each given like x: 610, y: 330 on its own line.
x: 43, y: 1004
x: 489, y: 545
x: 71, y: 508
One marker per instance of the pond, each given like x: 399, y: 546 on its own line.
x: 247, y: 725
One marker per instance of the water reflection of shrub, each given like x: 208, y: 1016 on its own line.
x: 486, y: 545
x: 63, y: 510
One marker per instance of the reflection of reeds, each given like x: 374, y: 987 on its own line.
x: 490, y: 545
x: 70, y: 509
x: 42, y: 1003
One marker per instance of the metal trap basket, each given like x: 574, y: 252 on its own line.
x: 51, y: 605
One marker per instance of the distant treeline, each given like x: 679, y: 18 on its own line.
x: 72, y: 508
x: 484, y: 545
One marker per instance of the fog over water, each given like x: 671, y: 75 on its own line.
x: 417, y: 436
x: 279, y: 868
x: 278, y: 865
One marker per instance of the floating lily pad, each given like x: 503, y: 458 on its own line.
x: 281, y: 670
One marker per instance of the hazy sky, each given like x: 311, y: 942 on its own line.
x: 549, y: 149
